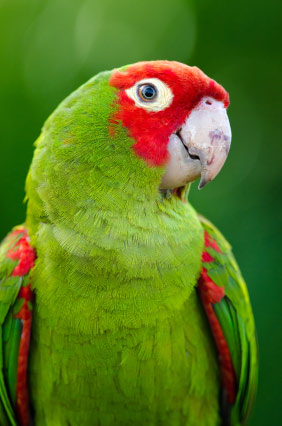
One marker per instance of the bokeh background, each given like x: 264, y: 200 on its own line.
x: 48, y: 48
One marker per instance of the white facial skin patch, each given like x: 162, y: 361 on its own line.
x: 151, y: 94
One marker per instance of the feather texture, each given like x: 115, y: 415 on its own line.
x: 119, y: 336
x: 16, y: 260
x: 233, y: 311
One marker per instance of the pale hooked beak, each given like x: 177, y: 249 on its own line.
x: 200, y: 147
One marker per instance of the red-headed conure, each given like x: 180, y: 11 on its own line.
x: 119, y: 304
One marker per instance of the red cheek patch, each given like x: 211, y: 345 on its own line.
x: 151, y: 130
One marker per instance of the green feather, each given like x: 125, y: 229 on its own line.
x: 236, y: 319
x: 116, y: 311
x: 9, y: 287
x: 119, y: 336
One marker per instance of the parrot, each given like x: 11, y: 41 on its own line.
x: 119, y: 303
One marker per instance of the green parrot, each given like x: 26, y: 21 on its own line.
x: 119, y: 304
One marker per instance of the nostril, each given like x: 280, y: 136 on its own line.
x: 208, y: 102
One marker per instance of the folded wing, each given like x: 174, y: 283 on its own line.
x: 225, y: 299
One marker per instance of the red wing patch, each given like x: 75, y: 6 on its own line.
x: 210, y: 294
x: 210, y: 242
x: 25, y: 254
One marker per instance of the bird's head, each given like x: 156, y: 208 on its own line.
x: 177, y: 117
x: 124, y: 135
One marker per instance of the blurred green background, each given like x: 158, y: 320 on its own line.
x: 48, y: 48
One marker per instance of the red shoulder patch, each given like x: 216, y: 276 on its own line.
x: 210, y: 242
x: 210, y: 293
x: 22, y: 251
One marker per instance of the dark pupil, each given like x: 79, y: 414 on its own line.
x: 148, y: 92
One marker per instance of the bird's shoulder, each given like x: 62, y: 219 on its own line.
x: 17, y: 258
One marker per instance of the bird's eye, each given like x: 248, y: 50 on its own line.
x: 151, y: 94
x: 147, y: 92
